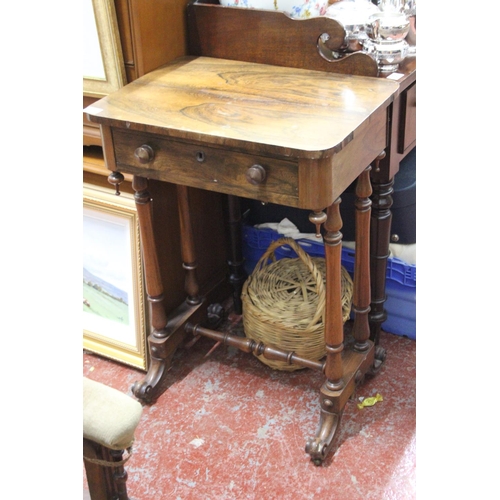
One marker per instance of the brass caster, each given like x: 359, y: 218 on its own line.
x: 380, y: 357
x: 318, y: 450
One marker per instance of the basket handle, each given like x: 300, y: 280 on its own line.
x: 306, y: 259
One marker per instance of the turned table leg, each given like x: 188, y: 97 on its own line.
x: 365, y: 282
x: 237, y: 275
x: 344, y: 369
x: 187, y: 247
x: 331, y: 413
x: 380, y: 233
x: 159, y: 353
x: 334, y: 325
x: 167, y: 333
x: 361, y: 294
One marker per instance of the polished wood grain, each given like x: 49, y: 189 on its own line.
x: 278, y: 110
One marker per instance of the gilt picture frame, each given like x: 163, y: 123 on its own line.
x: 114, y: 313
x: 103, y: 64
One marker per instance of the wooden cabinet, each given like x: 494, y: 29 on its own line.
x: 152, y: 33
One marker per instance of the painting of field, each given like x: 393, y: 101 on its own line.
x: 106, y: 264
x: 104, y: 300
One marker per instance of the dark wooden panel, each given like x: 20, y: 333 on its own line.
x: 158, y: 30
x: 408, y: 120
x: 270, y: 37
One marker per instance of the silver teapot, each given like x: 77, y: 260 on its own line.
x: 387, y: 33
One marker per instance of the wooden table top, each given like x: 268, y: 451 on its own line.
x: 277, y: 110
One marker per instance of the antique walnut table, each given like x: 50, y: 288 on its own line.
x: 283, y: 135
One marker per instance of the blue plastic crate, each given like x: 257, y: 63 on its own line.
x: 398, y: 271
x: 314, y: 249
x: 255, y: 243
x: 400, y: 289
x: 400, y: 306
x: 401, y: 279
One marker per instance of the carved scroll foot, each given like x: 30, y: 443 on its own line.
x: 319, y: 446
x: 162, y: 346
x: 147, y: 389
x: 355, y: 366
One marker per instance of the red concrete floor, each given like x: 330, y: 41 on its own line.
x: 229, y: 427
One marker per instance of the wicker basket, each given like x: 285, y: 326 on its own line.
x: 284, y: 303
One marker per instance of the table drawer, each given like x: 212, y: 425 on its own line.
x: 206, y: 167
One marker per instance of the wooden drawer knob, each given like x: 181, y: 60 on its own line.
x: 256, y: 175
x: 144, y: 153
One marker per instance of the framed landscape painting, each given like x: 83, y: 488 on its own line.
x: 114, y: 315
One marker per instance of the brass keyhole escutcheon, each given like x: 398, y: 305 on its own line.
x: 256, y: 174
x: 144, y: 154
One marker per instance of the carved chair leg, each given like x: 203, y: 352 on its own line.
x: 98, y: 477
x: 105, y: 481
